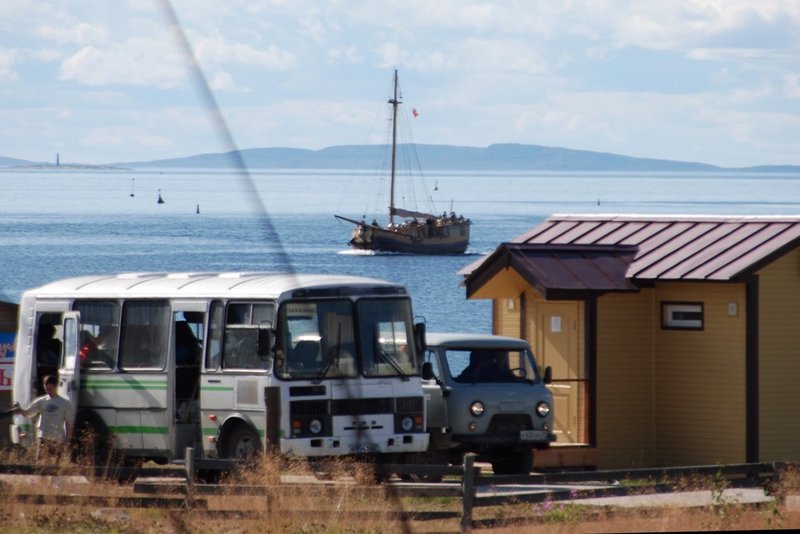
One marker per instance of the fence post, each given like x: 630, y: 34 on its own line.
x: 189, y: 467
x: 467, y: 492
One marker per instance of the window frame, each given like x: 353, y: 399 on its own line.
x: 670, y: 308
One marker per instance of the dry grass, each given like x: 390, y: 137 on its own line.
x: 355, y: 504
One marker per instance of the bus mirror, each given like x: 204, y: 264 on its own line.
x: 419, y: 339
x: 548, y: 374
x: 266, y: 340
x: 427, y: 371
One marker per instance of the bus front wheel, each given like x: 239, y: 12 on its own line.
x: 242, y: 443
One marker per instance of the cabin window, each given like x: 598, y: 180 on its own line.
x: 682, y: 315
x: 145, y: 335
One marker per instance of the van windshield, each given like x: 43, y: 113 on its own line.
x: 491, y: 365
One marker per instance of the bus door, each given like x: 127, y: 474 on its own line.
x: 188, y: 339
x: 69, y: 367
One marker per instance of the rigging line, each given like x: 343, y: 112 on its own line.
x: 221, y: 128
x: 247, y: 181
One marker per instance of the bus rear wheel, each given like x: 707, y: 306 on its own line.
x: 243, y: 443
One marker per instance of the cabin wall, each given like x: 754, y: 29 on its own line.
x: 779, y: 372
x: 506, y: 317
x: 700, y: 378
x: 625, y: 420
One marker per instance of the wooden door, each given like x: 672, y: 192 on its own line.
x: 557, y: 342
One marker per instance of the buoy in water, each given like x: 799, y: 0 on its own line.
x: 160, y: 200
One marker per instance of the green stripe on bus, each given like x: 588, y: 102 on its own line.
x: 138, y: 430
x: 215, y: 431
x: 121, y: 384
x: 217, y: 388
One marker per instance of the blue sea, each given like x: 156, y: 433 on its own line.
x: 60, y: 223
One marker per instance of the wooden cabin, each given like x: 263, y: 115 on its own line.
x: 674, y: 340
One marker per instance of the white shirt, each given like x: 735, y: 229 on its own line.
x: 53, y: 412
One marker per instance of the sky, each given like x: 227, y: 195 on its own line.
x: 99, y: 81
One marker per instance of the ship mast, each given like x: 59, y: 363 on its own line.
x: 394, y: 102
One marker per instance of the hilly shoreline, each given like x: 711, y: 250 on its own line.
x: 498, y: 157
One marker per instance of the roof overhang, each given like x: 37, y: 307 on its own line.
x: 557, y: 272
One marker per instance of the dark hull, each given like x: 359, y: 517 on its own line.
x: 451, y: 239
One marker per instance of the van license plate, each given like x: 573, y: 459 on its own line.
x: 532, y: 435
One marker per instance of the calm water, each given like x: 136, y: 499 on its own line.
x: 55, y: 224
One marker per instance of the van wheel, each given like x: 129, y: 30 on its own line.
x: 513, y: 462
x: 243, y: 443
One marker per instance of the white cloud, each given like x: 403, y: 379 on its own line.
x: 347, y: 55
x: 218, y: 50
x: 80, y: 33
x: 221, y: 81
x: 8, y: 58
x: 136, y: 62
x: 103, y: 138
x: 791, y: 86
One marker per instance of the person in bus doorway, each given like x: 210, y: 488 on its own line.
x: 53, y: 427
x: 48, y: 348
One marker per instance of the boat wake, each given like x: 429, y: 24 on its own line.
x: 357, y: 252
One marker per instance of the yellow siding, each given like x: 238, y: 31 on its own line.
x: 700, y: 378
x: 625, y: 411
x: 506, y: 317
x: 779, y: 362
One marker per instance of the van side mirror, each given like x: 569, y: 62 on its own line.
x: 419, y: 339
x: 266, y: 340
x: 427, y: 371
x: 548, y: 375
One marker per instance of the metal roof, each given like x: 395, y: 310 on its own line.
x: 610, y: 251
x: 677, y: 247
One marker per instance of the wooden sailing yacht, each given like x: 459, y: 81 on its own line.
x: 418, y: 232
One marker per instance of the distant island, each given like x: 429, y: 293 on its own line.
x: 499, y: 157
x: 14, y: 163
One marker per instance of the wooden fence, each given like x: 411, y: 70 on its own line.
x: 179, y: 487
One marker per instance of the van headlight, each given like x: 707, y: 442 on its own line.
x: 477, y: 408
x: 543, y: 409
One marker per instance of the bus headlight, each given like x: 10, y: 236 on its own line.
x: 477, y: 408
x: 407, y: 423
x: 543, y: 409
x: 315, y: 426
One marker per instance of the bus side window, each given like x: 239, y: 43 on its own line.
x: 240, y: 341
x: 216, y: 327
x: 99, y: 336
x: 145, y: 335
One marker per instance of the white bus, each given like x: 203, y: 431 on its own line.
x: 227, y: 363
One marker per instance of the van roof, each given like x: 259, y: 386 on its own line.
x: 464, y: 340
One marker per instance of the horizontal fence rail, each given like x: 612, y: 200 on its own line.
x: 181, y: 487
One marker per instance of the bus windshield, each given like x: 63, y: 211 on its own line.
x: 386, y: 336
x: 317, y: 339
